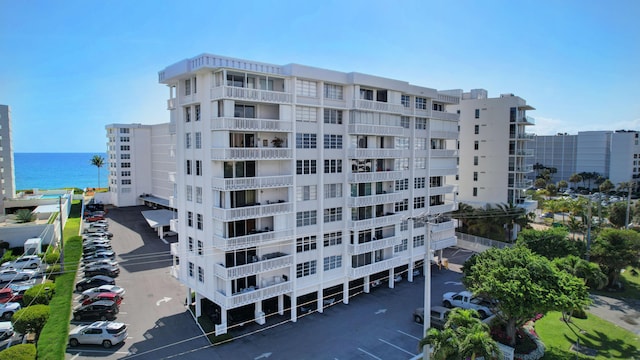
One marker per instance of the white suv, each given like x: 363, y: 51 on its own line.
x: 105, y: 333
x: 24, y: 262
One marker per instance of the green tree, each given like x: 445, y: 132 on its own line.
x: 575, y: 226
x: 588, y: 271
x: 562, y: 184
x: 97, y: 161
x: 606, y: 186
x: 19, y: 352
x: 575, y: 178
x: 551, y: 243
x: 516, y: 276
x: 444, y: 344
x: 24, y: 216
x: 614, y: 250
x: 478, y: 343
x: 540, y: 183
x: 31, y: 319
x: 618, y: 214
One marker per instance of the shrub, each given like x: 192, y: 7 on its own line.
x: 39, y: 294
x: 52, y: 256
x: 53, y: 271
x: 19, y: 352
x: 8, y: 256
x: 31, y: 319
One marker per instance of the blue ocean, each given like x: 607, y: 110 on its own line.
x: 58, y: 170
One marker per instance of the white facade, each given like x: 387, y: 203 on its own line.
x: 625, y: 157
x: 296, y: 184
x: 594, y: 151
x: 556, y: 151
x: 141, y: 163
x: 494, y: 159
x: 7, y: 175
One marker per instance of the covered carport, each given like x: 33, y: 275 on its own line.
x: 158, y: 220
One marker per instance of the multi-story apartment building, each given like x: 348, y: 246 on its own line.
x: 558, y: 152
x: 141, y: 164
x: 7, y: 177
x: 494, y: 159
x: 297, y: 183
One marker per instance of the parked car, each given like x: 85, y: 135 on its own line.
x: 99, y: 226
x: 100, y: 263
x: 98, y: 232
x: 94, y: 281
x: 90, y: 235
x: 14, y: 292
x: 6, y: 295
x: 439, y: 316
x: 110, y: 271
x: 102, y: 296
x: 10, y: 274
x: 99, y: 255
x: 103, y: 310
x: 24, y: 262
x: 91, y: 249
x: 8, y: 309
x: 466, y: 300
x: 93, y: 218
x: 105, y: 333
x: 96, y: 241
x: 104, y: 288
x: 6, y: 330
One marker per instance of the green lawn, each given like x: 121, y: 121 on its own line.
x: 609, y: 340
x: 631, y: 279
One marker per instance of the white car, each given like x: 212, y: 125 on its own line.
x: 8, y: 309
x: 6, y: 329
x: 24, y: 262
x: 104, y: 288
x: 100, y: 263
x: 105, y: 333
x: 8, y: 275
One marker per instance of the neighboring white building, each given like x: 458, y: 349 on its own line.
x: 625, y: 157
x: 296, y: 183
x: 557, y: 151
x: 141, y: 164
x: 7, y: 176
x: 494, y: 159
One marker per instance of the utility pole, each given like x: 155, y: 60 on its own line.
x: 588, y: 228
x: 626, y: 219
x: 61, y: 235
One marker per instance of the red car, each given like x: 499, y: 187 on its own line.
x: 7, y: 295
x: 94, y: 218
x: 104, y: 296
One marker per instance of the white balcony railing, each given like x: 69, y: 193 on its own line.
x: 438, y: 134
x: 369, y: 129
x: 374, y: 199
x: 250, y: 124
x: 444, y: 208
x: 253, y: 240
x: 253, y: 268
x: 171, y: 104
x: 376, y: 176
x: 444, y: 115
x: 377, y: 106
x: 441, y: 190
x: 232, y: 92
x: 173, y: 225
x: 378, y: 153
x: 356, y: 273
x: 375, y: 222
x: 258, y: 182
x: 438, y: 244
x: 443, y: 153
x: 251, y: 154
x: 443, y: 171
x: 252, y: 295
x: 443, y: 226
x: 374, y: 245
x: 249, y: 212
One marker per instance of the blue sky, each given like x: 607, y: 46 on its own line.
x: 68, y: 68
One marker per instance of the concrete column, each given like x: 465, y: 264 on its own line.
x: 259, y: 314
x: 320, y: 302
x: 367, y: 284
x: 410, y: 270
x: 198, y: 305
x: 188, y: 298
x: 294, y: 308
x: 281, y: 304
x: 345, y: 292
x: 392, y: 282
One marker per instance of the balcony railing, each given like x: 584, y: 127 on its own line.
x: 522, y: 169
x: 253, y: 268
x: 376, y: 176
x: 251, y: 154
x: 444, y: 208
x: 250, y: 124
x: 252, y: 240
x: 232, y: 92
x: 377, y: 153
x: 258, y: 182
x: 377, y: 106
x: 374, y: 245
x: 443, y: 226
x: 443, y: 153
x: 448, y: 98
x: 441, y: 190
x: 437, y: 134
x: 444, y: 115
x: 524, y: 184
x: 248, y: 212
x: 526, y: 136
x: 173, y: 225
x: 444, y: 170
x: 362, y: 271
x: 369, y: 129
x: 252, y: 295
x: 374, y: 199
x: 171, y: 104
x: 437, y: 244
x: 379, y: 221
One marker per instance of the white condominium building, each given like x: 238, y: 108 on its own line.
x: 7, y: 178
x: 494, y: 159
x: 296, y: 184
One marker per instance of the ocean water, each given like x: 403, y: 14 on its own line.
x: 58, y: 170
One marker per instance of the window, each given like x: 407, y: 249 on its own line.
x: 405, y: 100
x: 332, y: 262
x: 304, y: 193
x: 200, y: 247
x: 366, y: 94
x: 305, y: 141
x: 125, y: 173
x: 405, y: 121
x: 418, y: 241
x: 199, y: 194
x: 332, y: 214
x: 404, y: 225
x: 476, y: 129
x: 198, y: 167
x: 306, y: 218
x: 306, y: 88
x: 420, y: 143
x: 419, y: 183
x: 421, y: 103
x: 200, y: 274
x: 126, y: 181
x: 420, y: 163
x: 476, y: 145
x: 187, y: 87
x: 187, y: 140
x: 402, y: 206
x: 125, y: 165
x: 477, y: 113
x: 402, y: 184
x: 199, y: 221
x: 401, y: 164
x: 333, y: 238
x: 306, y: 114
x: 333, y: 166
x: 187, y: 114
x: 124, y: 130
x: 332, y: 116
x: 125, y: 148
x: 191, y: 267
x: 306, y: 269
x: 475, y: 160
x: 475, y: 176
x: 188, y: 167
x: 189, y: 192
x: 475, y: 191
x: 332, y: 91
x: 124, y: 139
x: 198, y: 140
x: 305, y: 167
x: 332, y: 191
x: 190, y: 244
x: 197, y: 111
x: 418, y: 202
x: 189, y: 219
x: 421, y: 123
x: 332, y: 141
x: 306, y: 243
x: 403, y: 246
x: 402, y: 142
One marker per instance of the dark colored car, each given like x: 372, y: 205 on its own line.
x: 99, y: 255
x: 94, y: 248
x: 94, y: 281
x: 102, y: 309
x: 110, y: 271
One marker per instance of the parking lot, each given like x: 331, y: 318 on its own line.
x: 378, y: 325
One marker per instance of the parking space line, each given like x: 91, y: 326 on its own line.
x: 409, y: 335
x: 397, y: 347
x: 370, y: 354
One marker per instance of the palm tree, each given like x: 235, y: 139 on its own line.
x: 444, y: 343
x: 575, y: 226
x: 478, y: 342
x: 24, y: 216
x: 575, y: 178
x: 97, y: 161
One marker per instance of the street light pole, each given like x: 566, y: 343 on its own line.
x: 61, y: 236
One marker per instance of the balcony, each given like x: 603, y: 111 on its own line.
x: 377, y: 106
x: 268, y: 262
x: 522, y: 169
x: 240, y: 93
x: 438, y: 244
x: 448, y: 99
x: 374, y: 245
x: 388, y: 219
x: 443, y: 153
x: 443, y: 226
x: 370, y: 129
x: 438, y: 134
x: 376, y: 176
x: 443, y: 170
x: 252, y: 154
x: 448, y: 206
x: 526, y: 136
x: 252, y: 240
x: 378, y: 153
x: 362, y: 271
x: 445, y: 115
x: 250, y: 124
x: 374, y: 199
x: 250, y: 296
x: 441, y: 190
x: 173, y: 225
x: 523, y: 152
x: 523, y: 184
x: 249, y: 212
x: 247, y: 183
